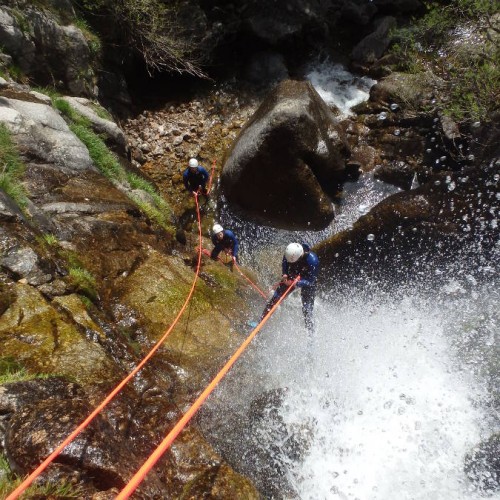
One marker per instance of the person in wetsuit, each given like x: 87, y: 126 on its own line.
x: 224, y: 240
x: 298, y: 260
x: 195, y: 178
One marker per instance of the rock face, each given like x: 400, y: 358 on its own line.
x: 39, y: 42
x: 88, y: 284
x: 288, y: 161
x: 409, y: 233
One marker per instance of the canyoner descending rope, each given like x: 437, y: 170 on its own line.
x: 169, y: 439
x: 22, y: 487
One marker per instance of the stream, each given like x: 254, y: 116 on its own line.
x: 387, y: 398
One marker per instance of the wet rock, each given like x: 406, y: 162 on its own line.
x: 46, y: 50
x: 203, y: 471
x: 47, y: 341
x: 373, y: 46
x: 415, y: 232
x: 450, y: 128
x: 398, y: 173
x: 357, y: 13
x: 40, y: 129
x: 288, y: 159
x: 9, y: 211
x: 266, y: 67
x: 16, y: 395
x: 407, y: 90
x: 103, y: 126
x: 156, y: 302
x: 23, y: 263
x: 98, y: 455
x: 482, y: 465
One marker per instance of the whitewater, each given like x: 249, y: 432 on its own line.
x: 387, y: 397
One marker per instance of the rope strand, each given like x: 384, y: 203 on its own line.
x: 22, y: 487
x: 165, y: 444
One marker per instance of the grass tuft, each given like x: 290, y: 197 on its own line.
x: 11, y: 170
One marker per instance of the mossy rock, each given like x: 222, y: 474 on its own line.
x: 51, y: 337
x: 206, y: 334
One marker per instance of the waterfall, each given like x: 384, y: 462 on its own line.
x: 388, y: 396
x: 383, y: 403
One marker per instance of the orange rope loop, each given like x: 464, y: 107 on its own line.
x: 211, y: 176
x: 22, y: 487
x: 208, y: 254
x: 164, y: 445
x: 250, y: 281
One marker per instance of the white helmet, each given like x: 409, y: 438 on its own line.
x: 193, y: 163
x: 294, y: 252
x: 217, y: 229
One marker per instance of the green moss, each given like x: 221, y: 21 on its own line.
x: 83, y: 281
x: 12, y: 371
x: 93, y: 41
x: 51, y: 337
x: 101, y: 112
x: 49, y: 239
x: 471, y: 70
x: 224, y: 278
x: 9, y: 481
x: 11, y: 170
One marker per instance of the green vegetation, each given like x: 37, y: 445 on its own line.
x: 49, y: 91
x: 101, y: 112
x: 8, y: 482
x: 22, y: 23
x: 80, y: 277
x: 93, y: 41
x: 102, y: 157
x: 11, y: 170
x: 49, y: 239
x: 157, y: 209
x: 12, y: 371
x: 471, y: 67
x: 168, y: 35
x: 83, y: 281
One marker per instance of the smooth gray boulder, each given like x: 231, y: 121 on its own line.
x: 288, y: 161
x: 41, y: 128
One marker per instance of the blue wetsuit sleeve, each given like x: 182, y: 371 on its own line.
x: 309, y: 278
x: 233, y: 238
x: 204, y: 174
x: 185, y: 179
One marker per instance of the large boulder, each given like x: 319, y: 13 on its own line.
x: 288, y: 161
x: 411, y: 234
x: 45, y: 48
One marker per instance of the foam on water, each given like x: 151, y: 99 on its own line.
x: 392, y: 417
x: 389, y: 412
x: 339, y: 87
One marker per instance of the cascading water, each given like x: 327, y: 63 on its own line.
x: 383, y: 402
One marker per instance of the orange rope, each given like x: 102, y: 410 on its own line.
x: 250, y: 281
x: 211, y: 176
x: 20, y: 489
x: 156, y: 455
x: 207, y: 252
